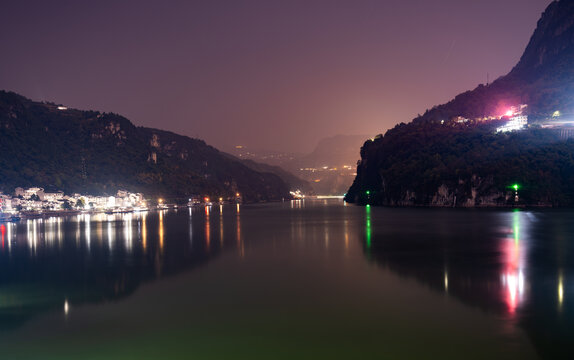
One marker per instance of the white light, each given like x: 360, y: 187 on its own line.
x: 66, y: 307
x: 560, y: 290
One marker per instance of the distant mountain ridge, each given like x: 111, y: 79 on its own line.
x: 47, y: 145
x: 452, y: 155
x: 327, y: 170
x: 335, y: 150
x: 543, y: 78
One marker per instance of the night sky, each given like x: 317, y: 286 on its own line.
x: 268, y: 74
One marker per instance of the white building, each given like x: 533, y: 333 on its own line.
x: 54, y: 196
x: 28, y: 193
x: 517, y: 122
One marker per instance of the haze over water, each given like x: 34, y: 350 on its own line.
x: 300, y: 279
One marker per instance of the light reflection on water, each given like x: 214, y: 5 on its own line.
x: 525, y: 250
x: 515, y: 250
x: 511, y: 264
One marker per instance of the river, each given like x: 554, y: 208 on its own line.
x: 303, y: 279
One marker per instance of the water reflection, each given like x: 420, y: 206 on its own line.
x: 368, y: 230
x: 2, y: 231
x: 511, y: 263
x: 144, y: 232
x: 240, y: 243
x: 514, y: 266
x: 160, y: 230
x: 45, y: 263
x: 515, y: 252
x: 560, y: 290
x: 207, y: 228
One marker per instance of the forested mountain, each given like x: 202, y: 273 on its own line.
x: 438, y: 161
x: 47, y: 145
x: 543, y: 78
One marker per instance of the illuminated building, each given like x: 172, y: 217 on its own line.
x: 517, y: 122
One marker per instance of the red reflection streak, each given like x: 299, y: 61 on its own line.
x: 512, y: 278
x: 3, y: 231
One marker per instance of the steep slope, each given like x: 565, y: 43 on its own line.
x: 438, y: 161
x: 98, y: 153
x: 543, y: 78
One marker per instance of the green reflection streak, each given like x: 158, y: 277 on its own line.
x: 516, y: 226
x: 368, y: 226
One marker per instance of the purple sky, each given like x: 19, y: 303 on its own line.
x: 268, y: 74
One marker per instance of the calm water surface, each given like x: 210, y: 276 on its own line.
x: 301, y: 279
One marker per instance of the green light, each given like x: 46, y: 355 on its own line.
x: 516, y: 187
x: 368, y: 227
x: 368, y: 192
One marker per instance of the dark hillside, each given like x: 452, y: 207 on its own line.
x: 453, y: 156
x: 99, y: 153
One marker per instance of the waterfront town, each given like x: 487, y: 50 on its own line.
x: 34, y: 201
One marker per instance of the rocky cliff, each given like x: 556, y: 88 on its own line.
x: 438, y: 161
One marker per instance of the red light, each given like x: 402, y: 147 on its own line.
x: 2, y: 229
